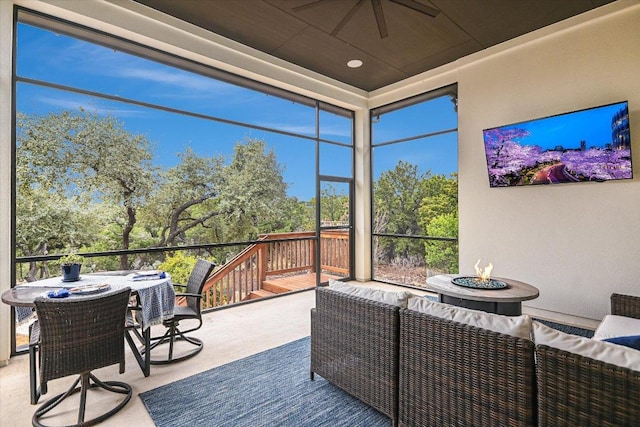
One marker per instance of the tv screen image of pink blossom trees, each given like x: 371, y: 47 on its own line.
x: 561, y: 149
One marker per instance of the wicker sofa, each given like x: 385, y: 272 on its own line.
x: 455, y: 374
x: 355, y: 345
x: 424, y: 370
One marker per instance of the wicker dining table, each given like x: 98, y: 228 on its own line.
x: 153, y: 299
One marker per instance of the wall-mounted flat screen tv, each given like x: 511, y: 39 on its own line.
x: 587, y: 145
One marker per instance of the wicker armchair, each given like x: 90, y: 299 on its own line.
x: 579, y: 391
x: 75, y: 336
x: 625, y: 305
x: 354, y: 345
x: 453, y: 374
x: 193, y: 295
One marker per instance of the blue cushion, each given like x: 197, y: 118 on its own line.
x: 630, y: 341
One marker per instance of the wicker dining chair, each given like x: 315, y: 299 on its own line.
x: 75, y: 336
x: 193, y: 295
x: 34, y: 337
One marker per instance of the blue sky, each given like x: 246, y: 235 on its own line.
x: 592, y: 125
x: 56, y: 58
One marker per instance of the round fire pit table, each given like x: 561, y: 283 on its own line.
x: 506, y: 301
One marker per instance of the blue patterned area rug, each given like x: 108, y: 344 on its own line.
x: 271, y: 388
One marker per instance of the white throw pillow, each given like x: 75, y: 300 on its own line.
x: 617, y: 326
x: 606, y: 352
x: 398, y: 299
x: 516, y: 326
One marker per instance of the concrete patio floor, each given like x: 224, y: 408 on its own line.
x: 228, y: 334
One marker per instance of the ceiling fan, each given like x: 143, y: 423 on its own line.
x: 377, y: 11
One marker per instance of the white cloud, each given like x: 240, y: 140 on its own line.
x: 100, y: 61
x: 69, y: 104
x: 173, y: 78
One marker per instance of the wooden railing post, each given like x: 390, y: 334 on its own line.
x: 312, y: 254
x: 262, y: 263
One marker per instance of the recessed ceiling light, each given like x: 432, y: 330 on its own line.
x: 354, y: 63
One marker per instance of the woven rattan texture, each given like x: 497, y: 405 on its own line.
x: 81, y: 334
x: 452, y: 374
x: 354, y: 345
x: 196, y: 282
x: 625, y: 305
x: 579, y: 391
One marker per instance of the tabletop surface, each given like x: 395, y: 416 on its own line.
x: 156, y: 294
x: 514, y: 292
x: 24, y: 295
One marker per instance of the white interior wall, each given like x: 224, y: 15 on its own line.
x: 6, y: 19
x: 577, y: 243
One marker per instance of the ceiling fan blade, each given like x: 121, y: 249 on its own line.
x: 382, y: 24
x: 346, y: 18
x: 411, y: 4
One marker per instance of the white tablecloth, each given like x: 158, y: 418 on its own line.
x: 157, y: 297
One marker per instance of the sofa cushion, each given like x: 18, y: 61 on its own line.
x: 398, y: 299
x: 617, y: 326
x: 630, y: 341
x: 517, y: 326
x: 587, y: 347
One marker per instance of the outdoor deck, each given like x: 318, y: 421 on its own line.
x: 278, y: 263
x: 297, y: 282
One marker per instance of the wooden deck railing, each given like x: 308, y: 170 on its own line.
x: 246, y: 272
x: 334, y: 253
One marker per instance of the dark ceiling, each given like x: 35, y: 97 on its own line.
x: 395, y: 39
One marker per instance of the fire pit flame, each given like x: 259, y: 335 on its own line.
x: 484, y: 274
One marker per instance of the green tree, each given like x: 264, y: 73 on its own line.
x: 407, y: 202
x: 177, y: 205
x: 298, y: 216
x: 88, y: 157
x: 442, y: 256
x: 440, y: 197
x: 179, y: 266
x: 439, y: 218
x: 334, y: 204
x: 213, y: 199
x: 253, y: 191
x: 47, y: 222
x: 397, y: 197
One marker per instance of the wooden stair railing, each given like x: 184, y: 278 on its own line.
x: 240, y: 272
x: 242, y: 277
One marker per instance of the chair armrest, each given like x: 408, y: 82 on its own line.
x: 625, y: 305
x: 179, y: 286
x: 185, y: 294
